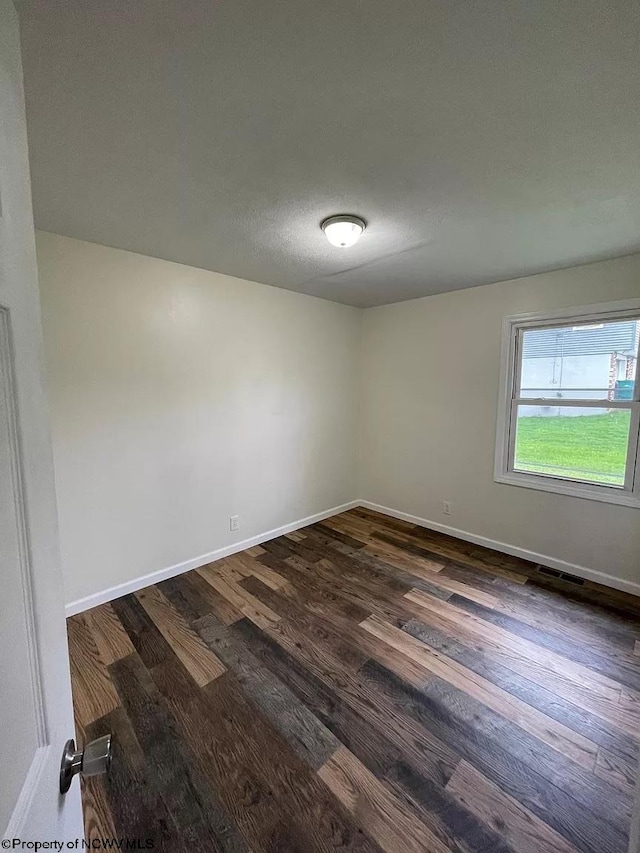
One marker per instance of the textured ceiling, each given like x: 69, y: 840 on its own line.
x: 480, y: 140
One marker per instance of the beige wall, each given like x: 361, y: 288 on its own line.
x: 429, y: 405
x: 180, y: 397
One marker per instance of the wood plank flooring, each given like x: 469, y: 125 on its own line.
x: 363, y: 684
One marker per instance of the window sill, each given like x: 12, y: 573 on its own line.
x: 574, y: 490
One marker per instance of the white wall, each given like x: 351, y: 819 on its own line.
x: 429, y: 405
x: 180, y: 397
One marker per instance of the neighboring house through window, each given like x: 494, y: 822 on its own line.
x: 569, y: 411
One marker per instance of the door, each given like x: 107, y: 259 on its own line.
x: 36, y: 715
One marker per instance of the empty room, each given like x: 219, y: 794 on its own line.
x: 320, y: 426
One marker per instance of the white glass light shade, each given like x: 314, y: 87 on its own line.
x: 343, y: 231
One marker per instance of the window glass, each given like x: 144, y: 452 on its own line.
x: 564, y: 442
x: 579, y: 362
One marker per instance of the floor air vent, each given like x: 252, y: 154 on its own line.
x: 565, y: 576
x: 552, y: 572
x: 572, y: 579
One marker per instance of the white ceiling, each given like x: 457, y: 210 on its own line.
x: 480, y: 140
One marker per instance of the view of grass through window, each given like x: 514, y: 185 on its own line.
x: 578, y: 447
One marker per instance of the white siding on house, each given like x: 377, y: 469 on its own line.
x: 562, y: 377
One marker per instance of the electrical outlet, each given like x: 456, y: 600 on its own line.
x: 234, y: 523
x: 446, y: 507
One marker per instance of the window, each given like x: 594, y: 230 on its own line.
x: 569, y: 419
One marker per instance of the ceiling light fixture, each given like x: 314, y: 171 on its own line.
x: 343, y: 230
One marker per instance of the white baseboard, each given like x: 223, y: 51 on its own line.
x: 513, y: 550
x: 171, y: 571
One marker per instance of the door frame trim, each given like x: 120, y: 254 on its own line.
x: 8, y: 387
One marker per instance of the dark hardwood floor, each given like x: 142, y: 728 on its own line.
x: 363, y: 684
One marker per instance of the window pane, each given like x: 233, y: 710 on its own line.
x: 560, y: 442
x: 592, y: 362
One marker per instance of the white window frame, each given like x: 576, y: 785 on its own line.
x: 513, y: 326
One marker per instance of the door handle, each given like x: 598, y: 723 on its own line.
x: 93, y: 760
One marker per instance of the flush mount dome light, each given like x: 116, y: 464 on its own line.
x: 344, y: 230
